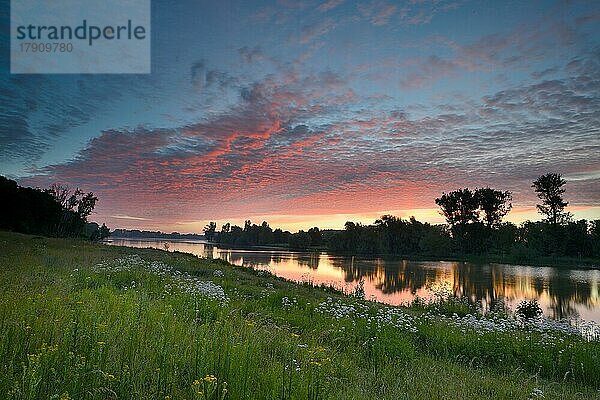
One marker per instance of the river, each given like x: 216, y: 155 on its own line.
x: 561, y: 292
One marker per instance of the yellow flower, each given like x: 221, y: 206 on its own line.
x: 100, y: 343
x: 210, y: 378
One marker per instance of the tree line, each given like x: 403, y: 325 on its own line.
x: 57, y: 211
x: 261, y: 235
x: 474, y: 226
x: 142, y: 234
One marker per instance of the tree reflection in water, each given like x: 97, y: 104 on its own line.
x: 482, y: 283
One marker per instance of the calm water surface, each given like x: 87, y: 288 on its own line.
x: 562, y: 292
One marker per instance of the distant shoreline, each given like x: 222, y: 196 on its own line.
x: 156, y: 239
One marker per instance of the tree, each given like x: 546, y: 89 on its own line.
x: 278, y: 236
x: 435, y: 241
x: 86, y: 205
x: 495, y: 204
x: 316, y: 239
x: 57, y: 211
x: 209, y: 231
x: 595, y: 237
x: 398, y: 236
x: 549, y: 189
x: 459, y: 207
x: 265, y: 234
x: 104, y: 232
x: 76, y: 207
x: 62, y: 195
x: 299, y: 240
x: 27, y: 210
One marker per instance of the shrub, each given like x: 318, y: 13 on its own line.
x: 528, y: 309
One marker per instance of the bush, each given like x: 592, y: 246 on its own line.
x: 528, y: 309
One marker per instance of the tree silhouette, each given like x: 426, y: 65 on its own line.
x: 104, y: 231
x: 62, y: 195
x: 86, y: 205
x: 209, y: 231
x: 316, y: 239
x: 459, y: 207
x: 495, y: 204
x: 251, y: 235
x: 27, y: 210
x: 76, y: 207
x: 595, y: 236
x: 549, y: 189
x: 57, y: 211
x: 299, y: 240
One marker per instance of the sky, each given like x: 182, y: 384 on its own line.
x: 312, y: 113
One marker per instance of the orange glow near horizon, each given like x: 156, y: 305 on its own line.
x: 294, y: 223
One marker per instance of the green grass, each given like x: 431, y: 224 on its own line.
x: 69, y: 329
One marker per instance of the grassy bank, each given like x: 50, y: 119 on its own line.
x: 88, y: 321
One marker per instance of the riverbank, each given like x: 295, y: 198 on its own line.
x: 83, y: 320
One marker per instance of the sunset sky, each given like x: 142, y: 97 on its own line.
x: 317, y: 112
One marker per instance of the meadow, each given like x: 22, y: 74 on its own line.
x: 80, y: 320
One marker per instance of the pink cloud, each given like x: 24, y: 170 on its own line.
x: 377, y: 12
x: 314, y: 31
x: 329, y: 5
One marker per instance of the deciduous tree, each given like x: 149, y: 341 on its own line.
x: 459, y: 207
x: 209, y: 231
x: 495, y: 204
x: 549, y: 189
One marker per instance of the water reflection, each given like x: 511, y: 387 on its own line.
x: 563, y: 293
